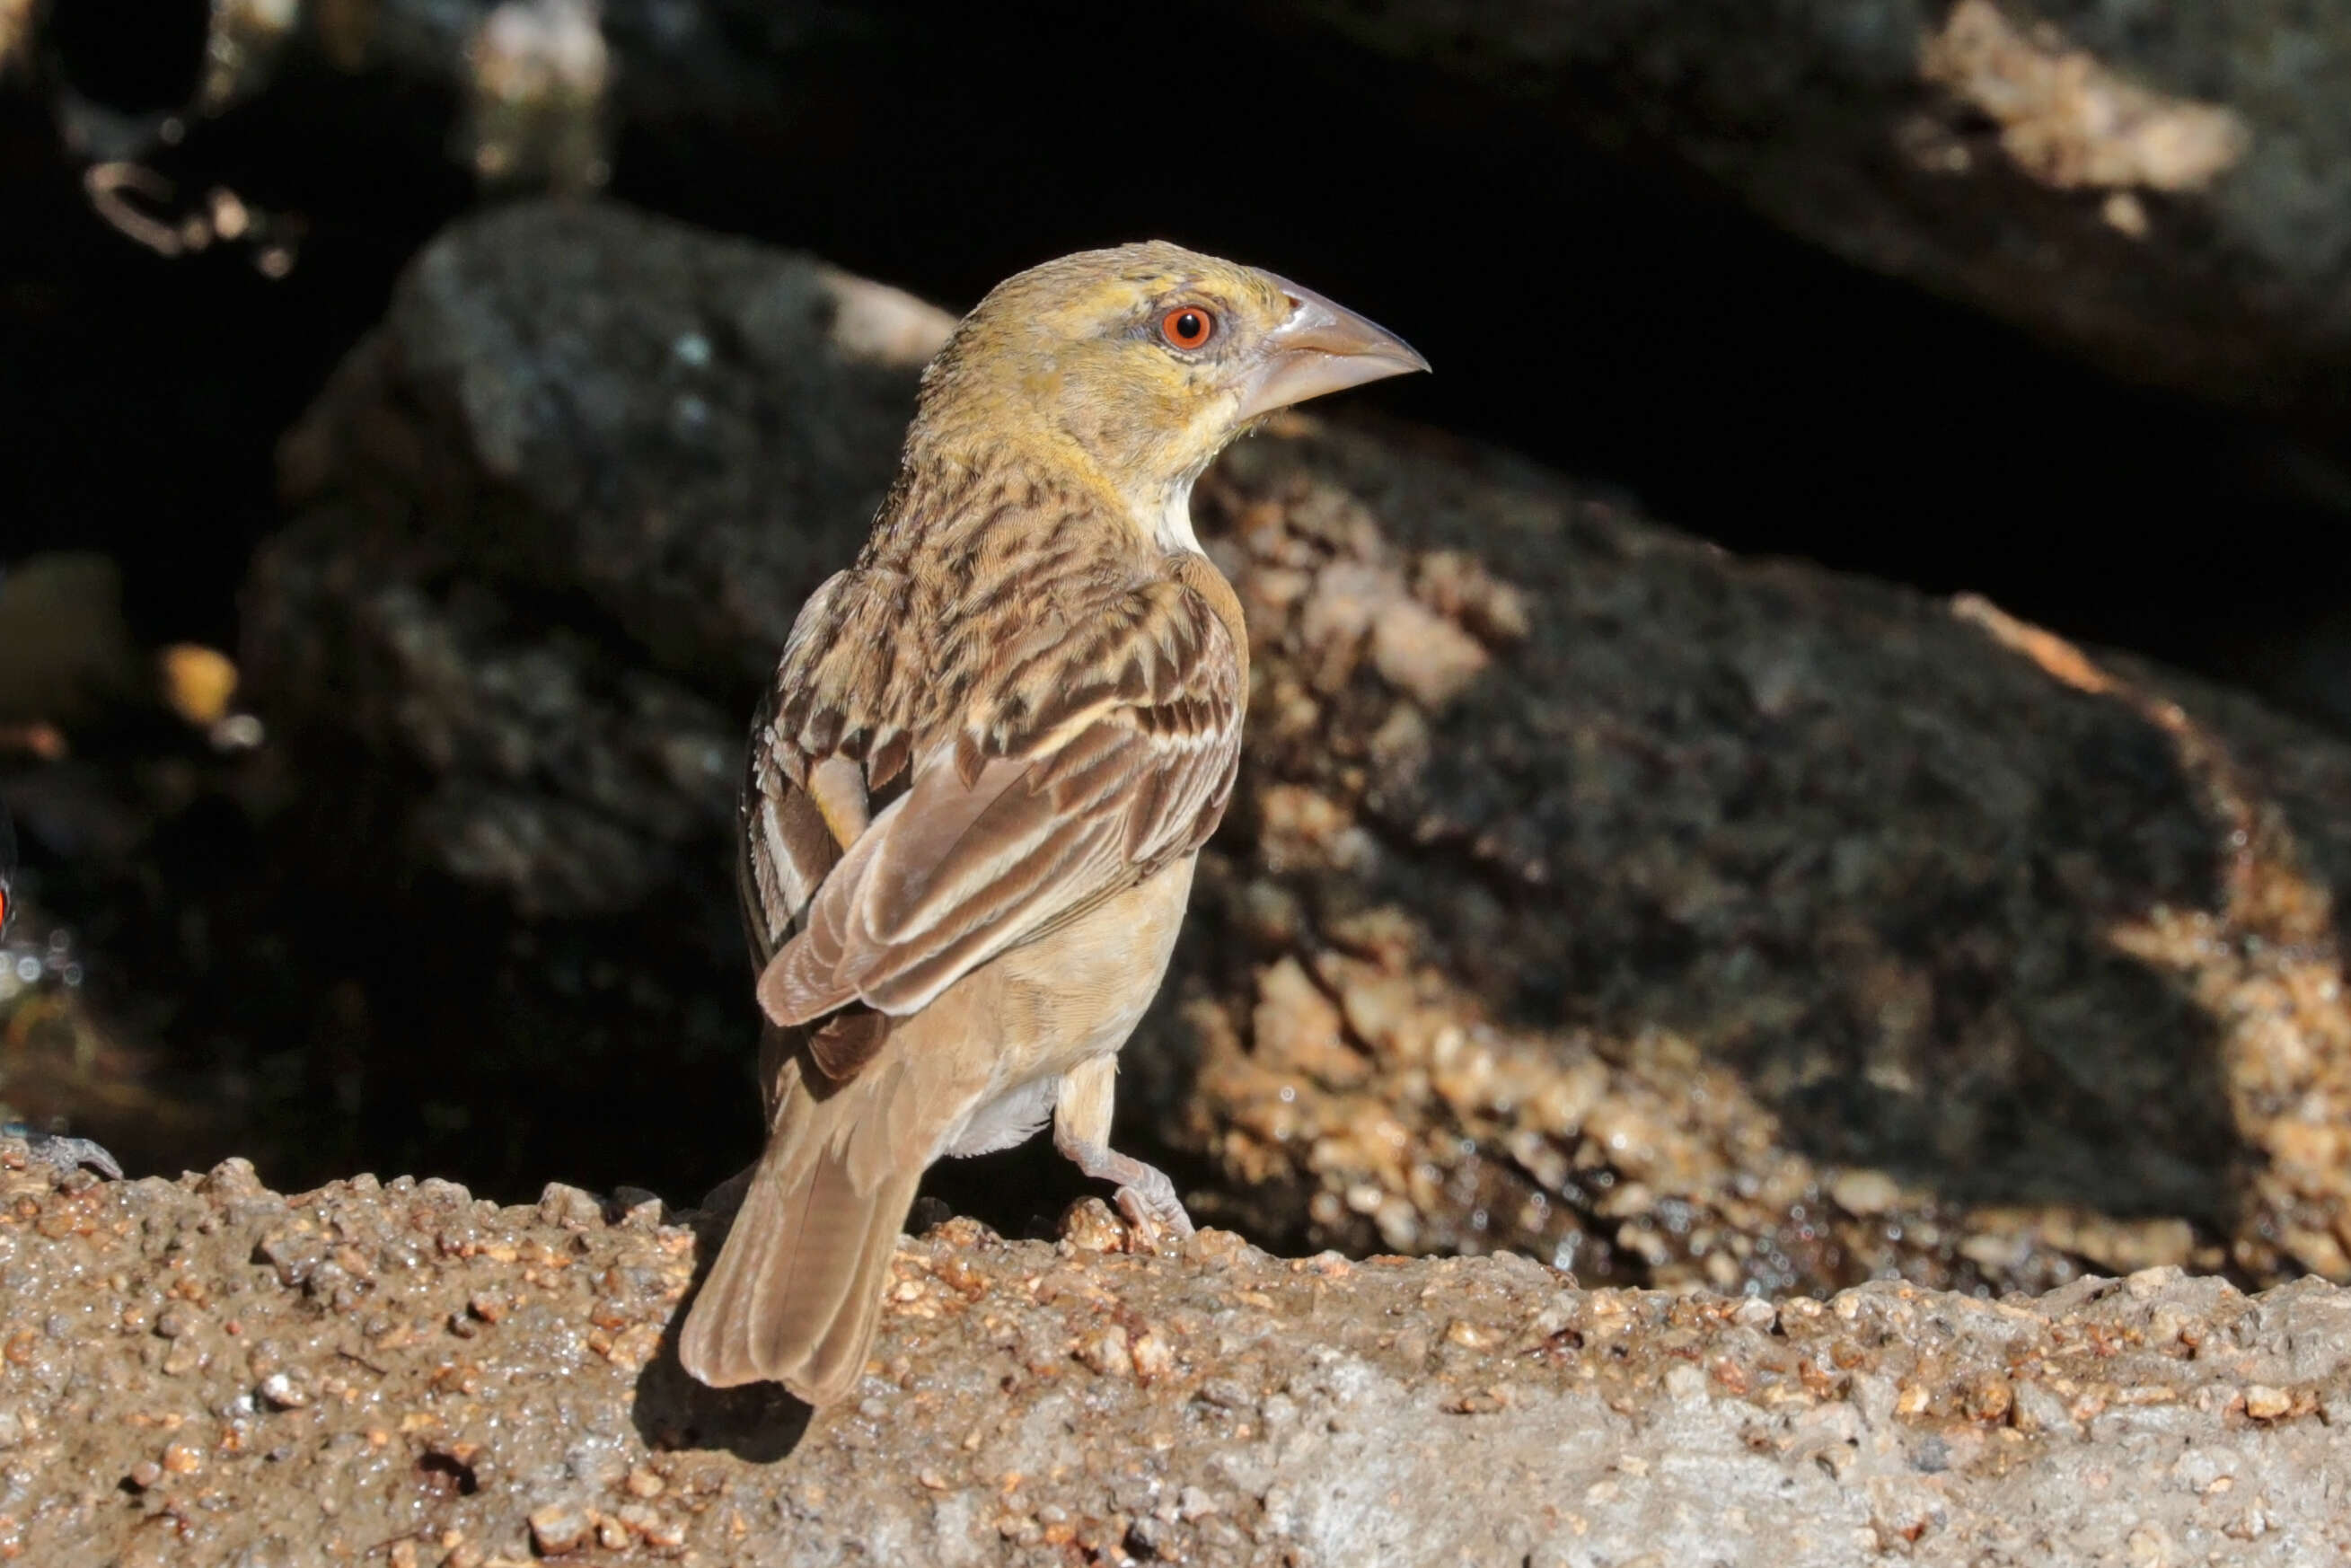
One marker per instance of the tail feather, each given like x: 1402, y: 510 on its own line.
x: 836, y: 1355
x: 797, y: 1290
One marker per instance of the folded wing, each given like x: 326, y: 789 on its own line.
x: 1106, y: 750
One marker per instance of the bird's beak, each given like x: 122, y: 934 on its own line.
x: 1323, y: 348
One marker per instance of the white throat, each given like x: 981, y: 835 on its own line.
x: 1172, y: 527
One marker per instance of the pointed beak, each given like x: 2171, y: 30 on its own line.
x: 1323, y: 348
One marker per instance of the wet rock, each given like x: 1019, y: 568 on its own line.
x: 2160, y: 188
x: 1265, y: 1410
x: 1682, y: 920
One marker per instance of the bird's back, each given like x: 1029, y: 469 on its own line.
x: 971, y: 568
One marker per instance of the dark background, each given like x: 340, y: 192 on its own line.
x: 1594, y: 315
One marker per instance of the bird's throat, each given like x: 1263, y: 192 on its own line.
x: 1169, y: 520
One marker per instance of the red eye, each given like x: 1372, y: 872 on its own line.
x: 1187, y: 327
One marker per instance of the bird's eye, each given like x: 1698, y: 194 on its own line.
x: 1187, y: 327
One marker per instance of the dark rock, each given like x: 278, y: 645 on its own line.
x: 1590, y: 891
x: 683, y: 433
x: 554, y: 521
x: 2161, y: 188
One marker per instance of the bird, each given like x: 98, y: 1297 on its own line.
x: 976, y: 788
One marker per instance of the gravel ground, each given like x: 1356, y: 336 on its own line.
x: 207, y: 1371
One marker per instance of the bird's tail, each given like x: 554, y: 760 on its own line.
x: 797, y: 1290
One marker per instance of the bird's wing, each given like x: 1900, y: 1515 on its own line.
x: 787, y: 847
x: 1104, y: 750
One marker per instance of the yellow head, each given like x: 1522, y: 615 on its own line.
x: 1141, y: 363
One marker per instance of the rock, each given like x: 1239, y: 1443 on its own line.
x: 1864, y: 1192
x: 560, y: 405
x: 2161, y: 189
x: 1625, y: 920
x: 554, y: 520
x: 2158, y: 188
x: 1725, y: 875
x: 2263, y: 1403
x: 605, y: 377
x: 1458, y: 1410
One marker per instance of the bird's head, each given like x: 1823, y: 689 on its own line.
x: 1143, y: 361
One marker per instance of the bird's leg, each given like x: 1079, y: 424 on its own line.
x: 1081, y: 1132
x: 62, y: 1154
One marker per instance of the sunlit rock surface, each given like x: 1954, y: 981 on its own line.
x: 208, y: 1372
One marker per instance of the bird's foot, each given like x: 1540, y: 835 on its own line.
x: 64, y: 1154
x: 1147, y: 1198
x: 1149, y: 1225
x: 1154, y: 1203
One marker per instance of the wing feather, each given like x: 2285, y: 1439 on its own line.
x: 1104, y: 757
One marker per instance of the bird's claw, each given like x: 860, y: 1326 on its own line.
x: 1145, y: 1196
x: 64, y: 1154
x: 1152, y: 1208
